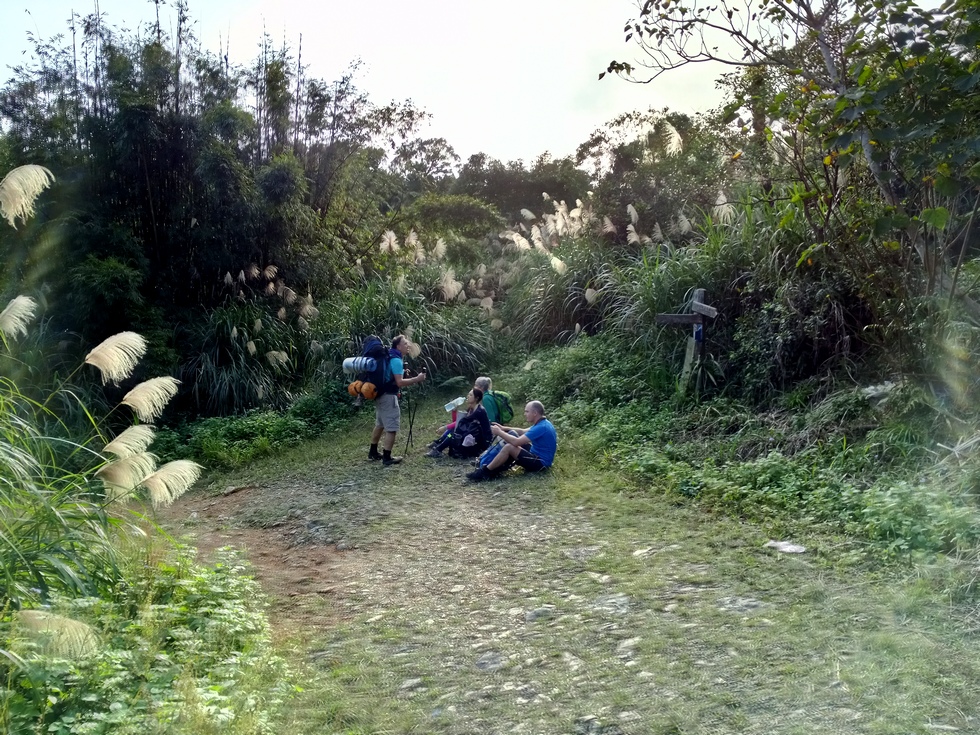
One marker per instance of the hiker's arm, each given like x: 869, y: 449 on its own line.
x: 504, y: 433
x: 402, y: 381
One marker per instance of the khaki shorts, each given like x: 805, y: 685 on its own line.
x: 387, y: 413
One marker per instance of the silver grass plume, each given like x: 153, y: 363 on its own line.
x: 149, y: 398
x: 389, y: 242
x: 486, y: 304
x: 591, y: 295
x: 229, y: 281
x: 281, y: 314
x: 270, y: 272
x: 634, y: 215
x: 16, y: 315
x: 58, y: 636
x: 723, y: 211
x: 252, y: 271
x: 411, y: 241
x: 631, y: 235
x: 439, y: 251
x: 675, y: 143
x: 449, y: 286
x: 250, y: 346
x: 171, y: 481
x: 258, y: 326
x: 528, y: 215
x: 414, y: 350
x: 683, y: 224
x: 277, y: 358
x: 234, y: 332
x: 537, y: 239
x: 288, y: 295
x: 481, y: 270
x: 20, y: 189
x: 270, y: 288
x: 123, y: 476
x: 116, y: 356
x: 559, y: 266
x: 608, y: 227
x: 303, y: 325
x: 401, y: 284
x: 241, y: 276
x: 545, y: 196
x: 496, y: 325
x: 134, y: 440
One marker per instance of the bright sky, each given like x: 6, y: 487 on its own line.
x: 511, y: 78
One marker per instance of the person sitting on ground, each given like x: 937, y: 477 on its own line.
x: 471, y: 434
x: 532, y: 448
x: 489, y: 402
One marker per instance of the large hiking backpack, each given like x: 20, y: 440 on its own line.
x: 505, y: 412
x: 372, y: 383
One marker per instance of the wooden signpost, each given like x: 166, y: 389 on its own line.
x: 695, y: 343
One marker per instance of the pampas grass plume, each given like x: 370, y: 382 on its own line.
x: 270, y: 288
x: 389, y: 242
x: 57, y: 635
x: 288, y: 295
x: 634, y: 215
x: 527, y: 214
x: 16, y: 315
x: 124, y: 475
x: 20, y: 189
x: 171, y: 481
x: 134, y: 440
x: 258, y: 326
x: 591, y: 295
x: 253, y: 271
x: 439, y: 251
x: 608, y: 227
x: 116, y: 357
x: 149, y: 398
x: 270, y: 272
x: 250, y: 346
x: 559, y: 266
x: 228, y: 279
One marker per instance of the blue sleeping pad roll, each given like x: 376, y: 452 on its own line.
x: 359, y: 364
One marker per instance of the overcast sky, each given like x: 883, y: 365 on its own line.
x: 511, y: 78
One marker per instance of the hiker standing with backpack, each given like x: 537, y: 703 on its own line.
x: 387, y: 412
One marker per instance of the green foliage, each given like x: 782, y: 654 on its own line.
x: 226, y: 442
x: 182, y: 649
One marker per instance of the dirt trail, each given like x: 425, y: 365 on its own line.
x: 431, y: 606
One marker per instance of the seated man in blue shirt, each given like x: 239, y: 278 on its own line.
x: 532, y: 448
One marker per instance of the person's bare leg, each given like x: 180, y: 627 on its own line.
x: 506, y: 454
x: 376, y: 434
x: 390, y: 440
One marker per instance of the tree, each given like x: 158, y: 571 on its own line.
x: 882, y: 82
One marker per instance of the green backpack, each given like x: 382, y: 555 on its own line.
x: 505, y: 411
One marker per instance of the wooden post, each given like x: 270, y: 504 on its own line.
x: 695, y: 343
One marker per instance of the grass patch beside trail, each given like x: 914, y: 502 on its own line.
x: 576, y: 603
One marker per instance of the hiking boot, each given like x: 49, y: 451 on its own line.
x: 388, y: 461
x: 434, y: 453
x: 481, y: 474
x: 374, y: 456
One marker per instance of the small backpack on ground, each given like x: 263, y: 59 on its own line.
x: 505, y: 411
x: 372, y: 383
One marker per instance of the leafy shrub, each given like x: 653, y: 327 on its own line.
x: 234, y: 441
x: 182, y: 649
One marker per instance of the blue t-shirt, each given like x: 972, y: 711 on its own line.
x: 397, y: 366
x: 544, y: 441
